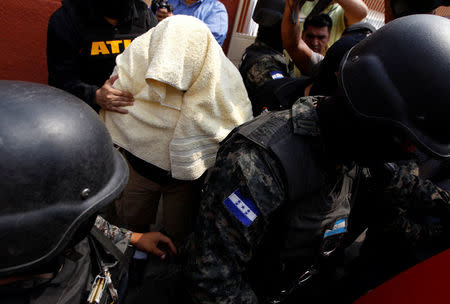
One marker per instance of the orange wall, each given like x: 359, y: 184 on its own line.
x: 24, y: 36
x: 231, y: 6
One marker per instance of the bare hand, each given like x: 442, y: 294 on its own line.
x: 162, y: 13
x: 149, y: 242
x: 111, y: 99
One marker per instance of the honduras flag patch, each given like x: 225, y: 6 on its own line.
x: 276, y: 75
x: 242, y: 208
x: 340, y: 226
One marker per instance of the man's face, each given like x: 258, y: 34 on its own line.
x: 316, y: 38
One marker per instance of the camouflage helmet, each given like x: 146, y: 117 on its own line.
x: 399, y: 76
x: 58, y: 168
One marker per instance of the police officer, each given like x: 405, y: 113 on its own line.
x: 59, y: 169
x: 277, y: 202
x: 84, y: 37
x: 402, y: 231
x: 264, y: 68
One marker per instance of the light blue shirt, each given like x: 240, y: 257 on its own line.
x: 211, y: 12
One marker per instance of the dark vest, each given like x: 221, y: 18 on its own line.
x: 316, y: 199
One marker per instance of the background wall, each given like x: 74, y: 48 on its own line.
x: 24, y: 36
x: 23, y: 24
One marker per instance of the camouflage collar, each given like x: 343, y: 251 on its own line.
x: 304, y: 116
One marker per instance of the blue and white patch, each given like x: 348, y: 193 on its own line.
x: 276, y: 75
x: 242, y: 208
x: 339, y: 227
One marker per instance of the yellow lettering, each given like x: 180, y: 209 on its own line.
x: 99, y: 47
x: 114, y: 46
x: 126, y: 43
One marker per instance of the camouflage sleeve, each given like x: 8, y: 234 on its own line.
x: 114, y: 233
x: 261, y: 72
x: 223, y: 244
x: 410, y: 190
x: 417, y: 208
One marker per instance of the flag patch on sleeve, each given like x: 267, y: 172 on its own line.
x: 276, y: 75
x: 242, y: 208
x: 339, y: 227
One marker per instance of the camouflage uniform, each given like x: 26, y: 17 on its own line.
x: 409, y: 213
x: 260, y: 63
x: 223, y: 247
x: 407, y: 220
x: 115, y: 234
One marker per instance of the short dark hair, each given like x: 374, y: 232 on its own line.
x: 320, y: 20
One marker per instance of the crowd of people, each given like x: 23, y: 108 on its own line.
x: 267, y: 174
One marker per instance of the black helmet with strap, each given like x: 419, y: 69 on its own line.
x: 58, y: 168
x: 399, y: 76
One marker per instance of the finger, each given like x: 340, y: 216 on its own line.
x: 120, y: 103
x: 111, y: 80
x: 124, y: 94
x: 166, y: 240
x: 158, y: 252
x: 111, y: 93
x: 118, y: 109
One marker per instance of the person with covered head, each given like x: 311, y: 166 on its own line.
x: 84, y: 37
x: 277, y: 202
x: 188, y: 97
x: 59, y: 169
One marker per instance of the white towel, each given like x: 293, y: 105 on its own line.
x: 188, y: 97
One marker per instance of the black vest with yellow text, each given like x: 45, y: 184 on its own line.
x: 100, y: 47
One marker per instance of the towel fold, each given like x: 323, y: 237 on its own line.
x: 188, y: 97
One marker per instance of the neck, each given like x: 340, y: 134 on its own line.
x: 338, y: 128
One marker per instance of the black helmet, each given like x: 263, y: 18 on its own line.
x: 58, y: 168
x: 268, y: 13
x: 399, y: 76
x: 402, y: 8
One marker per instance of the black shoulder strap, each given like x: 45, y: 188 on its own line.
x: 109, y: 246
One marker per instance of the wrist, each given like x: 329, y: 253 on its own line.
x: 135, y: 237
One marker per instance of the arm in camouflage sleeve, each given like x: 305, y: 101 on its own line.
x: 112, y: 232
x: 410, y: 197
x: 409, y: 189
x: 222, y: 245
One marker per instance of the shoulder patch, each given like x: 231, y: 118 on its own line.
x: 242, y: 208
x: 276, y: 75
x: 338, y: 228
